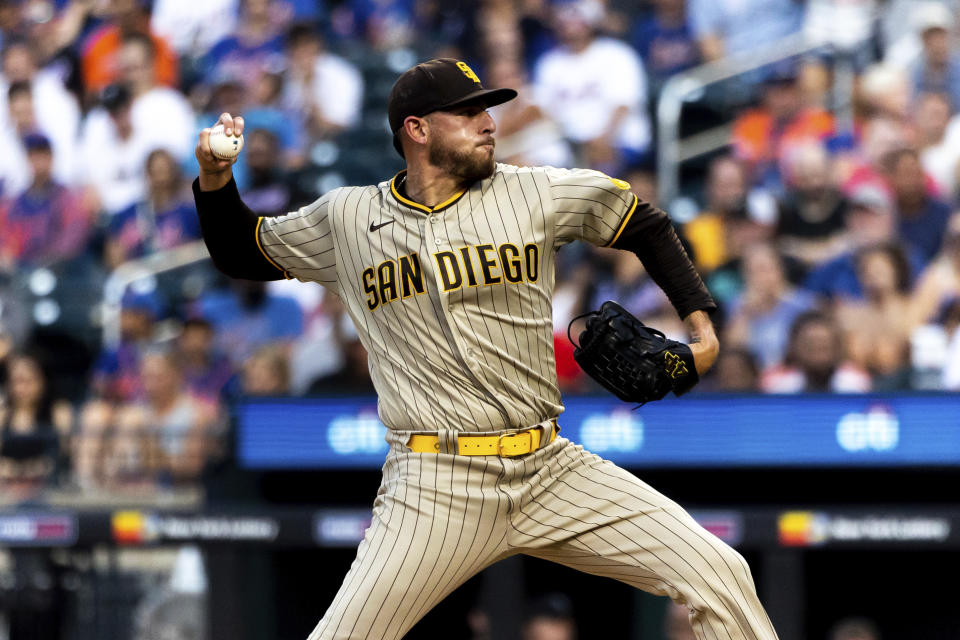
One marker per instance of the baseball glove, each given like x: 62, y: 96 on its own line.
x: 635, y: 362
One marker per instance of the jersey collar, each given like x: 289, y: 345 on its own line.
x: 398, y: 179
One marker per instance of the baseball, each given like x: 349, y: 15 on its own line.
x: 223, y: 146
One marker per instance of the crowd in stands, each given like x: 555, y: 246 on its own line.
x: 832, y: 245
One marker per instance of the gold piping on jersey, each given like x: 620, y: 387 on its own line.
x: 256, y: 235
x: 416, y: 205
x: 626, y: 219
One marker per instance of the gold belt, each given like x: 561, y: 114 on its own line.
x: 505, y: 445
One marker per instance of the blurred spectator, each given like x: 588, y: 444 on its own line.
x: 33, y: 426
x: 550, y: 617
x: 676, y: 622
x: 165, y: 219
x: 846, y: 24
x: 14, y: 166
x: 885, y: 91
x: 876, y: 329
x: 159, y: 110
x: 902, y: 23
x: 205, y: 369
x: 111, y: 151
x: 478, y: 621
x: 353, y: 377
x: 870, y: 220
x: 101, y: 49
x: 119, y: 136
x: 15, y: 172
x: 726, y: 203
x: 719, y: 234
x: 246, y: 316
x: 665, y: 41
x: 815, y: 361
x: 728, y: 27
x: 46, y: 224
x: 91, y: 444
x: 880, y: 135
x: 499, y: 25
x: 54, y: 111
x: 765, y: 136
x: 526, y: 136
x: 854, y: 629
x: 116, y: 375
x: 951, y: 370
x: 761, y: 316
x: 810, y: 227
x: 265, y: 110
x: 735, y: 371
x: 628, y: 283
x: 323, y: 87
x: 267, y: 372
x: 938, y: 67
x: 267, y: 189
x: 317, y: 351
x: 383, y: 24
x: 939, y: 284
x: 255, y: 45
x: 11, y: 21
x: 192, y: 27
x: 937, y: 154
x: 576, y: 274
x: 169, y: 435
x: 921, y: 218
x: 595, y: 88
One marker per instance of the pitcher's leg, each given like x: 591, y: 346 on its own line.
x: 433, y: 528
x: 610, y: 523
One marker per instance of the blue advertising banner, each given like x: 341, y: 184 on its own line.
x: 696, y: 431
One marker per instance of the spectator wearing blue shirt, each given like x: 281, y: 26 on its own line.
x: 921, y: 219
x: 938, y: 68
x: 870, y: 220
x: 261, y: 111
x: 665, y: 41
x: 384, y: 24
x: 727, y: 27
x: 247, y: 316
x: 760, y: 318
x: 116, y: 376
x: 166, y: 218
x: 256, y: 45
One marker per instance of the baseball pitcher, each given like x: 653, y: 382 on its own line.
x: 447, y: 271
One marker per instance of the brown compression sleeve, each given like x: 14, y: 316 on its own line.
x: 649, y: 234
x: 229, y: 228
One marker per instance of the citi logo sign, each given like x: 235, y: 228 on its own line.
x: 617, y: 431
x: 876, y: 429
x: 362, y: 434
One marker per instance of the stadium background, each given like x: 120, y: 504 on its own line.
x: 186, y: 457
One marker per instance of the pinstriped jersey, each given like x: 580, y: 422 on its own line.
x: 453, y: 303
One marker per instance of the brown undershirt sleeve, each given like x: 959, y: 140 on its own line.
x: 649, y: 234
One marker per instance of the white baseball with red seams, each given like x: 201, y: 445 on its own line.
x: 223, y: 146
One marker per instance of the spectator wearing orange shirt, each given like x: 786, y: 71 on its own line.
x: 762, y: 137
x: 100, y: 53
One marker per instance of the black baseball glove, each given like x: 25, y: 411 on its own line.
x: 635, y: 362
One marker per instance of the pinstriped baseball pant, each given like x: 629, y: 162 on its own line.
x: 439, y: 519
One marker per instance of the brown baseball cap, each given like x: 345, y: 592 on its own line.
x: 442, y: 83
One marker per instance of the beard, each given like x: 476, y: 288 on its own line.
x: 469, y: 165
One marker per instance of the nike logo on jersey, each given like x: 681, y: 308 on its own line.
x: 374, y: 227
